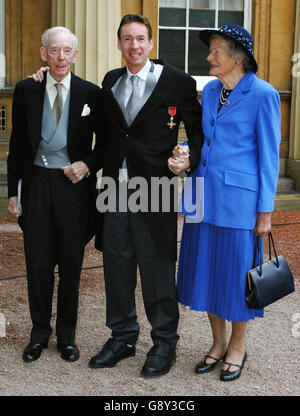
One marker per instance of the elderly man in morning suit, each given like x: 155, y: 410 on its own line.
x: 51, y: 152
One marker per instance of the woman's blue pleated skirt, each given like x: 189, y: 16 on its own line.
x: 212, y: 270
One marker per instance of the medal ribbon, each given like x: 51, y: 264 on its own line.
x: 172, y: 111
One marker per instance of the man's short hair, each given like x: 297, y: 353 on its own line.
x: 135, y: 18
x: 52, y: 30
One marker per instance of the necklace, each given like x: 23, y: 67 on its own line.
x: 224, y: 96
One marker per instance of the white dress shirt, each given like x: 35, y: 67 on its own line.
x: 52, y: 91
x: 143, y: 75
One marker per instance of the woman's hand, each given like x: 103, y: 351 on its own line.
x: 263, y: 224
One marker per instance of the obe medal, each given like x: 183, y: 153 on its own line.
x: 172, y: 113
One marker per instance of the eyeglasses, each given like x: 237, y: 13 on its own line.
x: 57, y: 51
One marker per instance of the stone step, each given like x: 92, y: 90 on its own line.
x: 3, y: 167
x: 282, y: 166
x: 3, y: 150
x: 3, y: 208
x: 287, y: 200
x: 282, y: 202
x: 3, y: 157
x: 3, y: 186
x: 285, y: 184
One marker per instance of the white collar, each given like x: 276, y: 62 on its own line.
x: 66, y: 82
x: 143, y: 73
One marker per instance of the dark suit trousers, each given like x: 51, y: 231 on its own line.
x: 55, y: 225
x: 127, y: 243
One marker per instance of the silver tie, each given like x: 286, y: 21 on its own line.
x: 135, y: 95
x: 58, y: 103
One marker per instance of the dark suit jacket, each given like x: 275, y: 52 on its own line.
x: 148, y: 142
x: 26, y: 132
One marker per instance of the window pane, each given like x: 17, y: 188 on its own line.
x: 3, y: 118
x: 172, y: 47
x: 198, y: 52
x: 202, y: 13
x: 172, y: 13
x: 231, y: 5
x: 173, y: 3
x: 231, y: 11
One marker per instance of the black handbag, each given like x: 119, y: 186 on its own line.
x: 269, y: 281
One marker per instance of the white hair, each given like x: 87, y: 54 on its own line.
x: 52, y: 30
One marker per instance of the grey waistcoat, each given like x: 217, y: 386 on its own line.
x: 119, y: 93
x: 52, y: 152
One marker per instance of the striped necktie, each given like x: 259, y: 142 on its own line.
x: 58, y: 103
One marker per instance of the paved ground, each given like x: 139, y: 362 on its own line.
x: 273, y: 346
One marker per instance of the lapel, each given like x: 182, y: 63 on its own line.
x: 115, y: 75
x: 35, y: 111
x: 162, y: 89
x: 77, y: 101
x: 238, y: 94
x: 214, y: 98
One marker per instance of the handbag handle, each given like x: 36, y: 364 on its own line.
x: 257, y: 246
x: 271, y: 240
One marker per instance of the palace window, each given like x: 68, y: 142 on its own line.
x: 180, y: 22
x: 3, y: 110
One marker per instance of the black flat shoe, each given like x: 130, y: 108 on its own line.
x: 112, y: 352
x: 205, y: 367
x: 33, y: 351
x: 159, y: 361
x: 227, y: 375
x: 69, y: 352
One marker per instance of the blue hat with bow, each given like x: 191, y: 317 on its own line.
x: 235, y: 32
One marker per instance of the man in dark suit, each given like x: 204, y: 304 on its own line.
x: 144, y: 105
x: 51, y: 153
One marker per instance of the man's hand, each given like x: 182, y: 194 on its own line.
x: 13, y: 206
x: 76, y: 172
x: 39, y: 75
x: 177, y: 167
x: 263, y: 224
x: 180, y: 161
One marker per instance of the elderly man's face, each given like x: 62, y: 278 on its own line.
x: 59, y: 54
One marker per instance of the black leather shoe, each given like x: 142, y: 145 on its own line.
x: 69, y: 352
x: 227, y: 375
x: 159, y: 360
x: 33, y: 351
x: 112, y: 352
x: 205, y: 367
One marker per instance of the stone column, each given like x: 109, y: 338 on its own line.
x: 2, y: 43
x: 293, y: 163
x: 95, y: 22
x: 261, y: 17
x: 294, y: 152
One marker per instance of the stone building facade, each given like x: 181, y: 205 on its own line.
x: 274, y: 25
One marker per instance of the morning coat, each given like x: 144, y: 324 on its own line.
x: 148, y: 142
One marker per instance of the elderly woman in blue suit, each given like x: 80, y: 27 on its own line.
x: 240, y: 165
